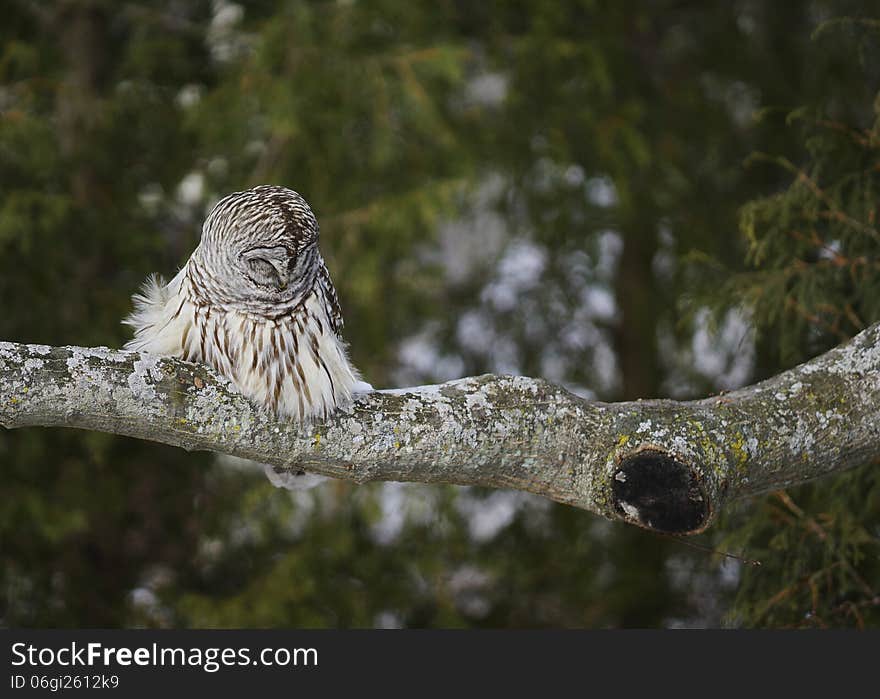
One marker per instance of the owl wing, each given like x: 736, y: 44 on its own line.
x: 334, y: 312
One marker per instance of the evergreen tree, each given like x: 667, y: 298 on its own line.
x: 814, y: 282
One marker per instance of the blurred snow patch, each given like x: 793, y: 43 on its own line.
x: 574, y: 176
x: 226, y: 15
x: 387, y: 619
x: 224, y: 39
x: 191, y: 189
x: 145, y: 601
x: 600, y: 302
x: 605, y: 367
x: 469, y: 244
x: 830, y: 250
x: 601, y: 191
x: 420, y: 360
x: 468, y: 585
x: 726, y: 354
x: 474, y: 331
x: 519, y: 270
x: 721, y: 355
x: 610, y: 248
x: 402, y: 504
x: 486, y: 90
x: 487, y: 516
x: 188, y: 96
x: 150, y: 197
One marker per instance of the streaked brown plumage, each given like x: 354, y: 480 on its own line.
x: 256, y: 302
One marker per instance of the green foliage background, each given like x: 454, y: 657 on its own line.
x: 549, y: 188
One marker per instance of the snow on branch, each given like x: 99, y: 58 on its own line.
x: 665, y: 465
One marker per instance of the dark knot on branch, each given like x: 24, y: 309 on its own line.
x: 655, y: 490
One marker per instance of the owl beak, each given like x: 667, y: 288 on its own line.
x: 283, y: 273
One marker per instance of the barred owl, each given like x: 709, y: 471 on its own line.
x: 255, y: 302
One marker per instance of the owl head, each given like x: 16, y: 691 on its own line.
x: 258, y: 249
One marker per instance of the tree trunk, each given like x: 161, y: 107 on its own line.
x: 81, y: 26
x: 637, y: 298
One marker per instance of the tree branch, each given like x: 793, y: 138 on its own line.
x: 665, y: 465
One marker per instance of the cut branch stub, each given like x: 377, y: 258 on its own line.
x: 654, y: 489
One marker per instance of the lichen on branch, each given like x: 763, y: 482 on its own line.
x: 664, y: 465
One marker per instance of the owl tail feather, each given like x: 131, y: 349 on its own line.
x: 150, y: 313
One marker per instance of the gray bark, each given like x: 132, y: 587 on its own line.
x: 665, y: 465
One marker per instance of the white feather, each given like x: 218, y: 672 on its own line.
x: 156, y: 330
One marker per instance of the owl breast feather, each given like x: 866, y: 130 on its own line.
x: 295, y: 365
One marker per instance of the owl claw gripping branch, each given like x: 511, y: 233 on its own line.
x: 255, y: 302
